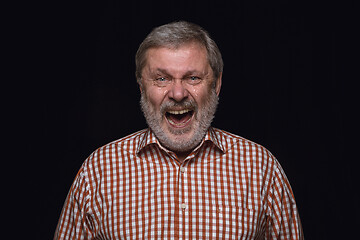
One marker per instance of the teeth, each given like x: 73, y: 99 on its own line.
x: 179, y: 112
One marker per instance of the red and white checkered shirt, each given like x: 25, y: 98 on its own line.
x: 227, y: 188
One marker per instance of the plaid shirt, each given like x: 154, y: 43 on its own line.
x: 227, y: 188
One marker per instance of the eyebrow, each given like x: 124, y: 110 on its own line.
x: 188, y: 73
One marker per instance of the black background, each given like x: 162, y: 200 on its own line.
x: 288, y: 65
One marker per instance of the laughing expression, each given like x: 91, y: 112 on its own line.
x: 179, y: 95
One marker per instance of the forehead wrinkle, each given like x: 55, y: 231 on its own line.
x: 180, y: 68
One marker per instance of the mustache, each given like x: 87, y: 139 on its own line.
x: 172, y: 105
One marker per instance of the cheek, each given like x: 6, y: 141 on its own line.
x: 201, y: 95
x: 195, y: 93
x: 155, y: 97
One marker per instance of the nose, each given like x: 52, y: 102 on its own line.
x: 178, y: 92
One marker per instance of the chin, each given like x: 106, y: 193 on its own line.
x: 179, y: 140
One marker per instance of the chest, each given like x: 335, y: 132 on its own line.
x: 208, y: 200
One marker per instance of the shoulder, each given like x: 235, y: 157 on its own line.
x: 113, y: 153
x: 127, y: 144
x: 247, y: 152
x: 233, y: 142
x: 251, y: 155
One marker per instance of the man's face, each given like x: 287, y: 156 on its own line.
x: 178, y: 95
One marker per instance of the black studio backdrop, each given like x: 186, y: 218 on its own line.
x: 284, y: 86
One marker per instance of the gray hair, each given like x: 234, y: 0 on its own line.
x: 175, y: 34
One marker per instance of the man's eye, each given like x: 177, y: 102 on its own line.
x: 194, y: 78
x: 161, y: 79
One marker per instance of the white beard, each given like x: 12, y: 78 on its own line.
x: 178, y: 143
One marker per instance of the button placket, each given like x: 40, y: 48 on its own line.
x: 183, y: 182
x: 183, y: 200
x: 183, y: 186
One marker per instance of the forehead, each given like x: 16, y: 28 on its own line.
x: 186, y: 57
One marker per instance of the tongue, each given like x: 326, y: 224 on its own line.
x: 179, y: 118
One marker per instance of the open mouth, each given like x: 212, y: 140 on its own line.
x: 179, y: 118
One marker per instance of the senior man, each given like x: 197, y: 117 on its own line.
x: 180, y: 178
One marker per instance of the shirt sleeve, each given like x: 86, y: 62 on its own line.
x: 75, y: 220
x: 283, y: 221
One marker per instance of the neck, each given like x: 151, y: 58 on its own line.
x: 182, y: 155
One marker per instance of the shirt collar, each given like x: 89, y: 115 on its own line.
x: 211, y: 135
x: 216, y: 138
x: 147, y: 139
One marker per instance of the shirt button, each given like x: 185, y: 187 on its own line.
x: 183, y: 206
x: 182, y: 169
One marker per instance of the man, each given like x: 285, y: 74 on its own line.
x: 181, y: 178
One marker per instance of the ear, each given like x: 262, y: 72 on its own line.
x: 218, y: 84
x: 140, y: 85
